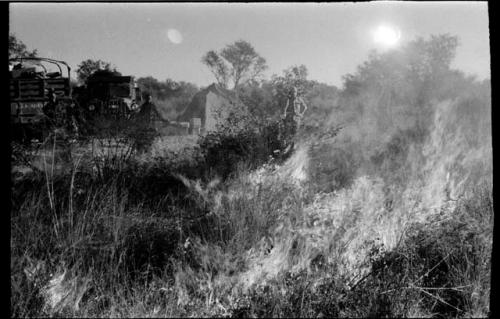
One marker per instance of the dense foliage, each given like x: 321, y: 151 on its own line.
x: 89, y: 67
x: 237, y: 63
x: 17, y: 49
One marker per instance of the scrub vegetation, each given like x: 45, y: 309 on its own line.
x: 383, y: 208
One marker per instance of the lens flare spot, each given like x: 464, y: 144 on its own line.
x: 174, y: 36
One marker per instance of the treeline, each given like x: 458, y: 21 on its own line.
x: 237, y: 67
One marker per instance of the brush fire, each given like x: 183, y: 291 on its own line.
x: 253, y: 196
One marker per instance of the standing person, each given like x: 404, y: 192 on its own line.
x: 146, y: 117
x: 73, y: 118
x: 49, y: 109
x: 55, y: 114
x: 148, y: 113
x: 293, y: 114
x: 60, y: 114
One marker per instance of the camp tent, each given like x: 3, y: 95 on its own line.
x: 212, y: 106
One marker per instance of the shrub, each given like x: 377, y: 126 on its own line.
x: 224, y: 152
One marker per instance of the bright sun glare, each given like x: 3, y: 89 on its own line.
x: 386, y: 36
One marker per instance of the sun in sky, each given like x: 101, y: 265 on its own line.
x: 174, y: 36
x: 386, y: 36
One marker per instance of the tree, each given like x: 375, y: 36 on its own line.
x: 259, y: 99
x: 294, y: 76
x: 403, y: 83
x: 218, y: 67
x: 238, y: 63
x: 167, y: 89
x: 150, y: 85
x: 17, y: 49
x: 429, y: 58
x: 322, y: 100
x: 416, y: 68
x: 89, y: 66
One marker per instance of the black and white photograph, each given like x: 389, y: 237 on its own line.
x: 250, y: 159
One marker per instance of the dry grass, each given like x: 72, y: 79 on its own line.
x: 359, y: 224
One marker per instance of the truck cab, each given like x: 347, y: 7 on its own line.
x: 111, y: 96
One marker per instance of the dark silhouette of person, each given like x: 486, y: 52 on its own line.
x: 49, y: 109
x: 73, y: 119
x: 294, y: 111
x: 145, y: 119
x: 61, y: 114
x: 148, y: 114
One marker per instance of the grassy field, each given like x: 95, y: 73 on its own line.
x: 112, y: 234
x: 382, y: 208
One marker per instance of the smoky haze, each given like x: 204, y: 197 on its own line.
x: 414, y: 140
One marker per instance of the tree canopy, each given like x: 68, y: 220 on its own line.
x: 238, y: 63
x: 294, y: 76
x: 17, y: 49
x: 88, y: 67
x: 410, y: 72
x: 404, y: 85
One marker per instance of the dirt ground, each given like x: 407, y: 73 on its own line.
x: 60, y: 157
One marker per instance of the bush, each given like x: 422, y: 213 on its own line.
x: 252, y: 147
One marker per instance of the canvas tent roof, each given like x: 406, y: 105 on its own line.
x: 27, y: 67
x: 198, y: 104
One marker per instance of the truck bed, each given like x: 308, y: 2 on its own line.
x: 35, y: 88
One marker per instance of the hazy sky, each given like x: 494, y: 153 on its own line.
x: 331, y: 39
